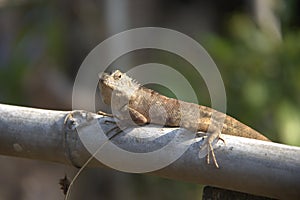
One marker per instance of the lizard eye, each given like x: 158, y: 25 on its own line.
x: 117, y: 76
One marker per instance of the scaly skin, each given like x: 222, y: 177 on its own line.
x: 130, y: 101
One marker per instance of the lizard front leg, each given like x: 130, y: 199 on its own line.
x: 137, y: 117
x: 134, y: 115
x: 127, y: 116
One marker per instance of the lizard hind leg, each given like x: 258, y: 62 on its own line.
x: 210, y: 149
x: 207, y: 148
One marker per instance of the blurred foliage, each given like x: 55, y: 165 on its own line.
x: 262, y: 77
x: 289, y: 14
x: 156, y: 188
x: 32, y: 34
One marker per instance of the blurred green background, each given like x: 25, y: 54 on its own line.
x: 255, y: 44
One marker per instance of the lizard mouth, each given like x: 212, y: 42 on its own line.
x: 102, y: 81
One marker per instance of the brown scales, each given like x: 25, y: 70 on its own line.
x: 145, y: 98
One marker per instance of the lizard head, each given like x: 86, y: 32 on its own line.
x: 118, y: 84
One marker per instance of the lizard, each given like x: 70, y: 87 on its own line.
x: 131, y: 101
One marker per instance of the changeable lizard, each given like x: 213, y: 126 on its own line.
x: 131, y: 101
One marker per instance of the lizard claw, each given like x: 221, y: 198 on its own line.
x: 117, y: 131
x: 222, y: 139
x: 210, y: 149
x: 105, y: 114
